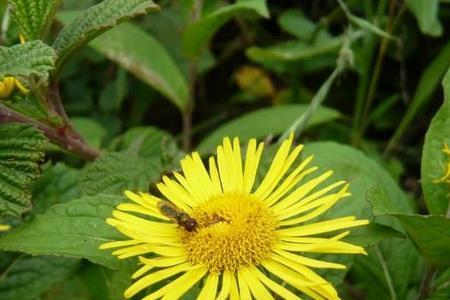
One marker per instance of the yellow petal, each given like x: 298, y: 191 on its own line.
x: 251, y: 164
x: 256, y: 288
x: 309, y: 261
x: 209, y: 290
x: 322, y: 227
x: 244, y: 290
x: 152, y: 278
x: 275, y: 287
x: 179, y: 286
x: 226, y: 282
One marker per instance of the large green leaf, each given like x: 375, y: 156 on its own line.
x: 198, y: 33
x: 431, y: 235
x: 73, y: 229
x: 29, y: 276
x: 21, y: 149
x: 58, y: 184
x: 260, y: 123
x: 364, y: 175
x: 34, y: 17
x: 113, y: 173
x: 434, y: 160
x: 143, y: 56
x: 96, y: 20
x: 426, y: 13
x: 25, y: 60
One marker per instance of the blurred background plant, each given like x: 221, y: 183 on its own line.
x: 358, y: 81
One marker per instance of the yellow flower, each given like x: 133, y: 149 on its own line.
x: 4, y: 227
x: 446, y: 177
x: 248, y: 241
x: 7, y: 86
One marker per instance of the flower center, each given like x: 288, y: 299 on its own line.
x: 233, y: 230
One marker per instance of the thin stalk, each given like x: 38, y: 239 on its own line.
x: 424, y: 291
x: 67, y: 142
x: 376, y: 74
x: 386, y: 273
x: 299, y: 125
x: 188, y: 112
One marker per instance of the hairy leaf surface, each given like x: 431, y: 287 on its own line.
x: 34, y: 17
x: 21, y: 149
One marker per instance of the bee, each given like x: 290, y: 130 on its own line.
x: 177, y: 215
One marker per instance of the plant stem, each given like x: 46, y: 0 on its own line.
x: 188, y: 112
x: 300, y: 123
x: 424, y: 291
x: 376, y: 75
x: 386, y: 273
x: 68, y: 142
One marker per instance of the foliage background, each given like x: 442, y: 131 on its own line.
x: 359, y: 82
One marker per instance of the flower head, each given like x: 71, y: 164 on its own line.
x: 242, y: 232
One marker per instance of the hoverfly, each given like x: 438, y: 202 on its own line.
x: 177, y: 215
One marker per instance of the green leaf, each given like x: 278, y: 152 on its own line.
x: 149, y: 143
x: 428, y: 83
x: 29, y: 276
x: 34, y: 17
x: 198, y: 33
x: 143, y: 56
x: 427, y: 15
x: 364, y: 175
x: 372, y: 234
x: 434, y: 160
x: 58, y: 184
x: 73, y: 229
x: 295, y: 23
x: 96, y: 20
x: 293, y: 51
x: 21, y: 149
x: 113, y: 173
x: 24, y: 60
x: 431, y: 235
x: 263, y: 122
x: 91, y: 131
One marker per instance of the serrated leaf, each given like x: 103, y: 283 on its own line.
x: 434, y: 161
x: 21, y: 149
x: 29, y: 276
x: 113, y: 173
x: 73, y: 229
x: 263, y: 122
x: 96, y: 20
x: 198, y: 33
x: 143, y: 56
x: 24, y: 60
x: 34, y: 17
x: 431, y: 235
